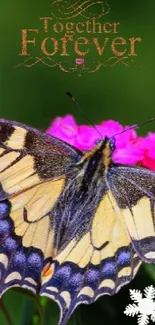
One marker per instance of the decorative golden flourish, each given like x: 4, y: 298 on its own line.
x: 67, y: 11
x: 48, y: 61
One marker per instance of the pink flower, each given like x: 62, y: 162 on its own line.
x: 147, y: 146
x: 130, y: 148
x: 64, y: 128
x: 79, y: 61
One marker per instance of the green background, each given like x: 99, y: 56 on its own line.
x: 36, y: 95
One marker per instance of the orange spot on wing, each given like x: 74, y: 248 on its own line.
x: 47, y: 272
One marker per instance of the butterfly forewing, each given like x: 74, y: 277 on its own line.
x: 28, y: 157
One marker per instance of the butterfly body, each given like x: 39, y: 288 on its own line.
x: 73, y: 225
x: 78, y: 202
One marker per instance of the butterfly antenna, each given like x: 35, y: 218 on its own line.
x: 135, y: 126
x: 80, y: 109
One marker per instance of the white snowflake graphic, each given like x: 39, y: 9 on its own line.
x: 142, y: 307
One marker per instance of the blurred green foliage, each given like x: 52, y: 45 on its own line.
x: 36, y: 95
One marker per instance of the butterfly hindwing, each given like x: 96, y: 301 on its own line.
x: 99, y: 262
x: 135, y: 195
x: 120, y: 236
x: 28, y: 157
x: 27, y: 235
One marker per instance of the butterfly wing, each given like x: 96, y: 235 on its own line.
x: 32, y: 169
x: 98, y: 262
x: 27, y: 235
x: 29, y: 157
x: 108, y: 255
x: 134, y: 190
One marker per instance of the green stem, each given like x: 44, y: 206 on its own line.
x: 39, y: 311
x: 5, y: 312
x: 28, y: 311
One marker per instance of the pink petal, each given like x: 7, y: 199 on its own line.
x: 127, y: 155
x: 149, y: 163
x: 86, y: 138
x: 64, y: 128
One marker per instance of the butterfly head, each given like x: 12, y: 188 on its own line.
x: 102, y: 151
x: 107, y: 147
x: 107, y: 144
x: 110, y: 142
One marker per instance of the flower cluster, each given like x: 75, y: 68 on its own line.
x: 130, y: 148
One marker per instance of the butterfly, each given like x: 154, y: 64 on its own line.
x: 73, y: 226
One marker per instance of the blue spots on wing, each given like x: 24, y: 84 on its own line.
x: 4, y: 227
x: 34, y: 260
x: 124, y: 256
x: 62, y: 275
x: 4, y: 209
x: 10, y: 243
x: 92, y: 275
x: 109, y: 268
x: 70, y: 277
x: 14, y: 257
x: 76, y: 280
x: 28, y: 262
x: 19, y: 259
x: 64, y: 272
